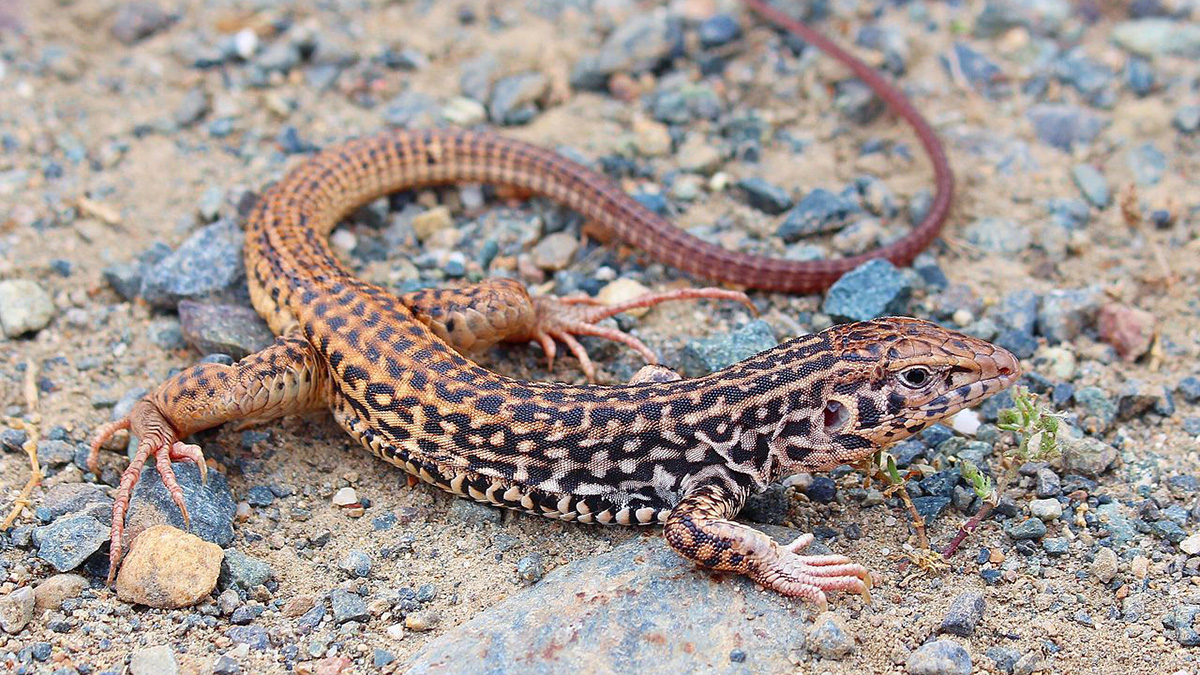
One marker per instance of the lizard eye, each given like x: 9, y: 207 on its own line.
x: 915, y: 377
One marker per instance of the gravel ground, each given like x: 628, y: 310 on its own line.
x: 134, y: 135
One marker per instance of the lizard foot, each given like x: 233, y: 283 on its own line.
x: 157, y: 438
x: 809, y: 576
x: 561, y: 319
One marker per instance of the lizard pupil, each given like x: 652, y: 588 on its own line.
x: 915, y: 377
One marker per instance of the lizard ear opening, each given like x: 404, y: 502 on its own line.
x: 836, y: 417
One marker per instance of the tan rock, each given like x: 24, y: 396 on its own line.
x: 168, y: 568
x: 50, y: 593
x: 436, y: 219
x: 621, y: 290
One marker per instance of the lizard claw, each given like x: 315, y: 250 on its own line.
x: 157, y: 438
x: 561, y: 319
x: 809, y: 576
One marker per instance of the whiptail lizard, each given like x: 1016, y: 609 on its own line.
x: 660, y: 450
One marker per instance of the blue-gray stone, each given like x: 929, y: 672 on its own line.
x: 718, y: 30
x: 1017, y: 310
x: 764, y: 196
x: 1183, y: 620
x: 1001, y: 236
x: 1030, y: 528
x: 643, y: 43
x: 348, y: 606
x: 1040, y: 17
x: 260, y: 495
x: 531, y: 568
x: 856, y: 101
x: 1005, y: 658
x: 410, y: 108
x: 245, y: 614
x: 1056, y: 546
x: 1022, y: 345
x: 687, y: 103
x: 981, y: 73
x: 818, y: 212
x: 1189, y: 389
x: 908, y: 451
x: 1069, y: 213
x: 208, y: 265
x: 254, y: 636
x: 823, y: 490
x: 223, y: 329
x: 1092, y: 185
x: 706, y: 355
x: 382, y: 657
x: 1064, y: 313
x: 940, y: 657
x: 1147, y: 163
x: 1120, y: 526
x: 941, y: 484
x: 210, y: 505
x: 618, y: 598
x: 68, y: 541
x: 1169, y: 530
x: 514, y: 98
x: 930, y: 507
x: 356, y: 564
x: 964, y: 614
x: 1156, y: 36
x: 1064, y: 126
x: 871, y: 290
x: 1191, y: 426
x: 243, y: 572
x: 1093, y: 402
x: 1139, y: 76
x: 1187, y: 119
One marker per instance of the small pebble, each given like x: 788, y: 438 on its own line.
x: 1105, y: 565
x: 159, y: 660
x: 829, y: 637
x: 939, y: 657
x: 166, y: 568
x: 964, y: 614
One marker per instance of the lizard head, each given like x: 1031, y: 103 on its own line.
x: 887, y: 380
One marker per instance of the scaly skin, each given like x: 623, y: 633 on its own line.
x: 682, y: 453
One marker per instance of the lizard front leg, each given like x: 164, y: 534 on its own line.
x: 283, y: 379
x: 476, y: 317
x: 699, y: 529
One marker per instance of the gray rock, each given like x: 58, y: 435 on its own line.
x: 718, y: 30
x: 706, y: 355
x: 1189, y: 389
x: 1097, y: 407
x: 1156, y: 36
x: 224, y: 329
x: 1183, y: 620
x: 475, y: 76
x: 278, y: 57
x: 642, y: 43
x: 1041, y: 17
x: 857, y: 102
x: 1017, y: 311
x: 225, y: 665
x: 1087, y: 456
x: 158, y: 660
x: 1064, y: 126
x: 1056, y: 546
x: 514, y: 98
x: 766, y: 197
x: 1092, y: 185
x: 1187, y: 119
x: 210, y: 505
x: 1048, y: 483
x: 1105, y: 564
x: 25, y: 307
x: 348, y: 606
x: 474, y: 513
x: 244, y: 572
x: 55, y: 453
x: 930, y: 507
x: 194, y: 106
x: 1120, y: 526
x: 1030, y: 528
x: 940, y: 657
x: 356, y: 564
x: 769, y: 506
x: 254, y: 636
x: 68, y: 541
x: 818, y: 212
x: 1045, y: 509
x: 69, y: 498
x: 1148, y: 164
x: 621, y: 599
x: 531, y: 568
x: 980, y: 72
x: 871, y: 290
x: 410, y: 108
x: 830, y: 637
x: 964, y: 614
x: 1065, y: 313
x: 1000, y: 236
x: 136, y: 21
x: 16, y: 610
x: 206, y: 266
x: 687, y: 103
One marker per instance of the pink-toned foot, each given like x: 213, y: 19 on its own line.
x: 809, y: 576
x: 157, y: 438
x: 562, y: 319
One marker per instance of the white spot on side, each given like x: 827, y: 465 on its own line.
x: 527, y: 501
x: 456, y: 483
x: 623, y: 516
x: 644, y: 515
x: 513, y: 494
x: 564, y: 504
x: 604, y: 517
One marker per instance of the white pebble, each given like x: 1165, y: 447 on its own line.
x: 345, y: 497
x: 245, y: 43
x: 965, y: 422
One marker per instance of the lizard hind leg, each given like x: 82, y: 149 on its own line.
x: 286, y: 378
x: 501, y: 310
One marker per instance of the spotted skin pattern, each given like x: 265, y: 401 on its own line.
x: 661, y: 450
